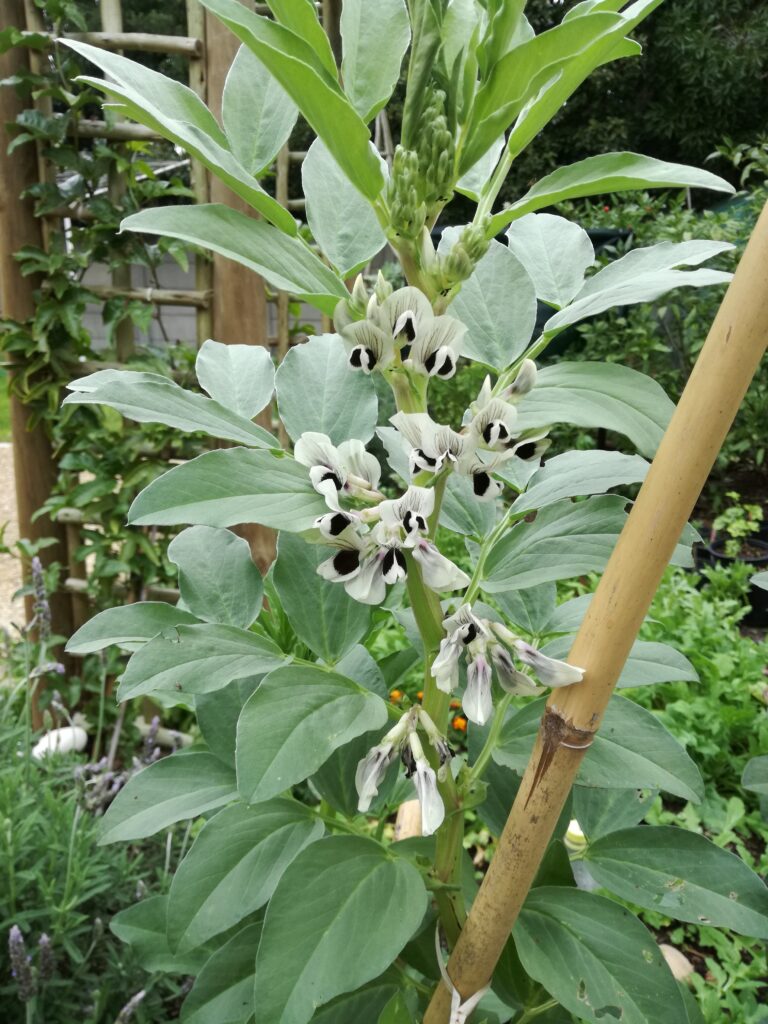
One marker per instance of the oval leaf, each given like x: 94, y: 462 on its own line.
x: 596, y: 959
x: 231, y: 486
x: 217, y: 578
x: 293, y: 723
x: 257, y: 113
x: 682, y: 875
x: 375, y: 35
x: 233, y: 867
x: 344, y: 893
x: 599, y: 395
x: 322, y: 614
x: 287, y: 263
x: 578, y: 473
x: 498, y: 306
x: 240, y: 377
x: 631, y: 749
x: 555, y: 252
x: 316, y: 391
x: 172, y: 789
x: 198, y: 659
x: 127, y: 626
x: 343, y: 223
x: 648, y: 663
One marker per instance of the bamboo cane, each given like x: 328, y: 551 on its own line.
x: 721, y: 376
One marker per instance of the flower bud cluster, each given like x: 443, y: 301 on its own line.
x: 488, y: 648
x: 403, y: 741
x: 405, y: 197
x: 435, y: 151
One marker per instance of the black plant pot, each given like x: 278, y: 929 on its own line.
x: 713, y: 554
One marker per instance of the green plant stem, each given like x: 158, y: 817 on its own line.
x: 488, y: 197
x: 476, y: 772
x: 536, y: 1011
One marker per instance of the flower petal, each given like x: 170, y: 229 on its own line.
x: 550, y: 671
x: 438, y: 572
x: 432, y: 809
x: 477, y: 701
x: 368, y: 585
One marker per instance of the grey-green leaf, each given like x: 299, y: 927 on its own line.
x: 462, y: 512
x: 565, y: 539
x: 316, y: 391
x: 217, y: 578
x: 257, y: 113
x: 631, y: 749
x: 172, y: 789
x: 648, y: 663
x: 239, y: 377
x: 600, y: 811
x: 682, y: 875
x: 342, y: 221
x: 344, y: 893
x: 291, y: 58
x: 233, y: 867
x: 643, y: 275
x: 375, y: 35
x: 127, y: 626
x: 609, y: 172
x: 198, y: 659
x: 293, y: 722
x: 231, y: 486
x: 165, y: 402
x: 322, y: 614
x: 142, y: 927
x: 596, y: 958
x: 578, y: 473
x: 178, y: 114
x: 599, y: 395
x: 498, y: 306
x: 555, y: 252
x: 223, y: 988
x: 287, y: 263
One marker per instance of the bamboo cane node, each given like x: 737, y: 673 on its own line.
x: 557, y: 731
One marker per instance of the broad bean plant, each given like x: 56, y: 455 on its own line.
x: 297, y: 901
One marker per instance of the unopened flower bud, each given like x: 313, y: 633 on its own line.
x: 550, y: 671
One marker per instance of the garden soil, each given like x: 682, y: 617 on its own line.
x: 10, y: 578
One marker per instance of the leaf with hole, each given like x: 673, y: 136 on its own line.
x: 682, y: 875
x: 596, y: 959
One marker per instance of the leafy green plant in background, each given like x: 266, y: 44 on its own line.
x: 738, y: 522
x: 298, y: 768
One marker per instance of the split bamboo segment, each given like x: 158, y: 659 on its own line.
x: 723, y: 371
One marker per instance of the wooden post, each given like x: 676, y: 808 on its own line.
x: 720, y: 378
x: 112, y: 22
x: 35, y: 471
x: 239, y: 314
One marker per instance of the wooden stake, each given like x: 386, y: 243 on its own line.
x: 35, y: 470
x: 239, y: 305
x: 723, y: 371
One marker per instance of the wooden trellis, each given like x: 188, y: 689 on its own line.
x: 228, y: 302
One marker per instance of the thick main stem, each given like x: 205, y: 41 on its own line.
x: 687, y: 452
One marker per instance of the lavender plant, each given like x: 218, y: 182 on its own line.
x: 304, y: 907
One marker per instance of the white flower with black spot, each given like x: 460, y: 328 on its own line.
x: 347, y: 469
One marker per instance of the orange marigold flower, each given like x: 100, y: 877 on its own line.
x: 460, y: 723
x: 455, y: 704
x: 396, y: 695
x: 420, y: 695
